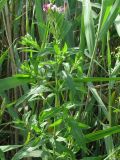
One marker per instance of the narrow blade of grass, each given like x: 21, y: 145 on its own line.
x: 89, y: 25
x: 109, y: 19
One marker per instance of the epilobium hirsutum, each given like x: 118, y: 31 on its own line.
x: 54, y: 8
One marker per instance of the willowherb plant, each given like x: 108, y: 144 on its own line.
x: 68, y: 103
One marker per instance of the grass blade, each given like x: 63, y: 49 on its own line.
x: 117, y: 24
x: 89, y: 25
x: 108, y: 20
x: 102, y: 133
x: 98, y: 99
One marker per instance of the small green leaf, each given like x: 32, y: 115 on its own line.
x: 56, y: 123
x: 65, y: 48
x: 57, y: 49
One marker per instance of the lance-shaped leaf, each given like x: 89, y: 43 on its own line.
x: 12, y: 82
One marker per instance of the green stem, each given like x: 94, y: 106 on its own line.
x: 110, y: 85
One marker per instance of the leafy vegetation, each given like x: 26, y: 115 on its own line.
x: 60, y: 74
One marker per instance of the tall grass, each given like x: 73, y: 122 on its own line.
x: 59, y: 83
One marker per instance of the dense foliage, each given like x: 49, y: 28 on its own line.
x: 60, y: 74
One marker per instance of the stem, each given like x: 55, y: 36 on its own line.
x: 109, y: 104
x: 27, y: 19
x: 110, y: 85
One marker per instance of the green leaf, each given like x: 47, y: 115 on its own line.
x: 61, y: 149
x: 48, y: 113
x: 108, y: 142
x: 97, y: 79
x: 98, y: 99
x: 113, y: 153
x: 89, y: 25
x: 65, y: 48
x: 93, y: 4
x: 117, y: 24
x: 57, y: 49
x: 115, y: 70
x: 28, y: 149
x: 7, y: 148
x: 101, y: 134
x: 69, y: 80
x: 2, y: 156
x: 32, y: 45
x: 82, y: 35
x: 56, y: 123
x: 105, y: 10
x: 39, y: 17
x: 76, y: 132
x: 12, y: 82
x: 36, y: 153
x: 110, y: 18
x: 32, y: 93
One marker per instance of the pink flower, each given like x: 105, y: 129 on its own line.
x: 46, y: 7
x: 50, y: 6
